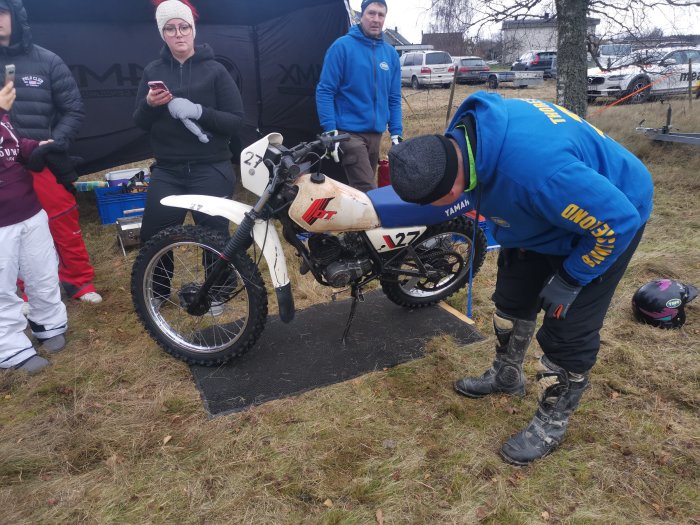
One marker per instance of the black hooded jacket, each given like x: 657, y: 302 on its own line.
x: 202, y: 80
x: 48, y: 104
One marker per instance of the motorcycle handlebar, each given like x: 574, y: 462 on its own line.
x: 290, y: 162
x: 324, y: 143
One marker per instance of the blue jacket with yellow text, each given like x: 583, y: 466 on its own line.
x: 360, y: 86
x: 550, y: 182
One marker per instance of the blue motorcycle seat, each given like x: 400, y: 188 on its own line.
x: 395, y: 213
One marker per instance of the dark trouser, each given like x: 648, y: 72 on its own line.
x: 571, y: 343
x: 360, y: 158
x: 217, y: 179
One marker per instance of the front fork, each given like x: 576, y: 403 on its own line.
x: 241, y: 240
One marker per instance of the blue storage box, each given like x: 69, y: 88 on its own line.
x: 112, y: 204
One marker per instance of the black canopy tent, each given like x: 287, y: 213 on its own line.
x: 273, y: 49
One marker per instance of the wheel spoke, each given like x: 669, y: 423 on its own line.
x: 443, y: 257
x: 217, y: 328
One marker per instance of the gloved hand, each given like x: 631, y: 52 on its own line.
x: 196, y: 129
x: 63, y: 167
x: 557, y: 296
x: 183, y: 108
x: 55, y: 157
x: 37, y: 158
x: 336, y: 147
x: 396, y: 139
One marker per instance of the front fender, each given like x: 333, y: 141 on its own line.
x: 264, y: 234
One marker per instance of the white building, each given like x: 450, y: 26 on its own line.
x: 533, y: 33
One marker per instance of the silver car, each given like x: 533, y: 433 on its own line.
x: 427, y: 68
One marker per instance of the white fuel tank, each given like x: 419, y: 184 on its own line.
x: 331, y: 206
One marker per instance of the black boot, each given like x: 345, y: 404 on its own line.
x: 560, y: 393
x: 506, y: 373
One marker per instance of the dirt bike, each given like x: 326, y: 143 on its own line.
x: 201, y: 296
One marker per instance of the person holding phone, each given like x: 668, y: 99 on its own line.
x: 48, y: 106
x: 27, y: 248
x: 191, y: 107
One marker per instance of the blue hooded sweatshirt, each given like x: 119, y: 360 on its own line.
x: 552, y: 183
x: 360, y: 86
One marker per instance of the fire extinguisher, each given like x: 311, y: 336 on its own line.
x: 383, y: 174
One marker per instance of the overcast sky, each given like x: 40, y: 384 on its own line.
x: 411, y: 16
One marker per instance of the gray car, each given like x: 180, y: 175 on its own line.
x: 535, y: 61
x: 469, y: 69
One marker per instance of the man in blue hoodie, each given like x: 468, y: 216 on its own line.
x: 359, y: 92
x: 568, y: 205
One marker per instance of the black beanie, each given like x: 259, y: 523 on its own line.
x: 423, y: 169
x: 365, y: 3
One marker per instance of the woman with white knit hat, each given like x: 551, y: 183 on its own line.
x: 190, y: 122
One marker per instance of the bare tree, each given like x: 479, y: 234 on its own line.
x: 631, y: 16
x: 571, y: 55
x: 451, y: 16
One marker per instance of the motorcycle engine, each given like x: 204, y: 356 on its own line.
x: 340, y: 259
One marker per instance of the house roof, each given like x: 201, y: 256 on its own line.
x: 394, y: 38
x: 453, y: 43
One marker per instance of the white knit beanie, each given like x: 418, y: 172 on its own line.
x: 173, y: 9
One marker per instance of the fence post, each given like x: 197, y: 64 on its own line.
x: 452, y: 96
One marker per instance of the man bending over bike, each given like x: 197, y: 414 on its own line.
x: 568, y: 205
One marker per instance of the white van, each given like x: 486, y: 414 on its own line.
x: 427, y: 68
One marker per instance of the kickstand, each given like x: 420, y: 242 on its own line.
x: 356, y: 297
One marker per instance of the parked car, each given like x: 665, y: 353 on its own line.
x: 535, y: 61
x: 427, y: 68
x: 469, y: 69
x: 664, y: 71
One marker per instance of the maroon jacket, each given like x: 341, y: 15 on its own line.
x: 18, y: 202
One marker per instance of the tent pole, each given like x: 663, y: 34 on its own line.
x: 258, y: 79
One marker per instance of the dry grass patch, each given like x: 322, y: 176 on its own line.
x: 114, y: 431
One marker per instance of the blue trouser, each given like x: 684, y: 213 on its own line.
x: 573, y: 342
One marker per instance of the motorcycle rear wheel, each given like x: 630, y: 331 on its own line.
x: 444, y: 249
x: 237, y: 310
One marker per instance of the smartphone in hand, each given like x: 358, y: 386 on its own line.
x: 9, y: 73
x: 158, y: 85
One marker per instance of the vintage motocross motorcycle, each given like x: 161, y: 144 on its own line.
x: 201, y: 295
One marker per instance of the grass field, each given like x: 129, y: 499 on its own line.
x: 115, y: 432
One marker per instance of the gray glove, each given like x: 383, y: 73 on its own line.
x: 195, y: 129
x: 183, y: 108
x: 557, y: 296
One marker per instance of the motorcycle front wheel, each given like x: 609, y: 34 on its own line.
x: 445, y: 252
x: 166, y: 277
